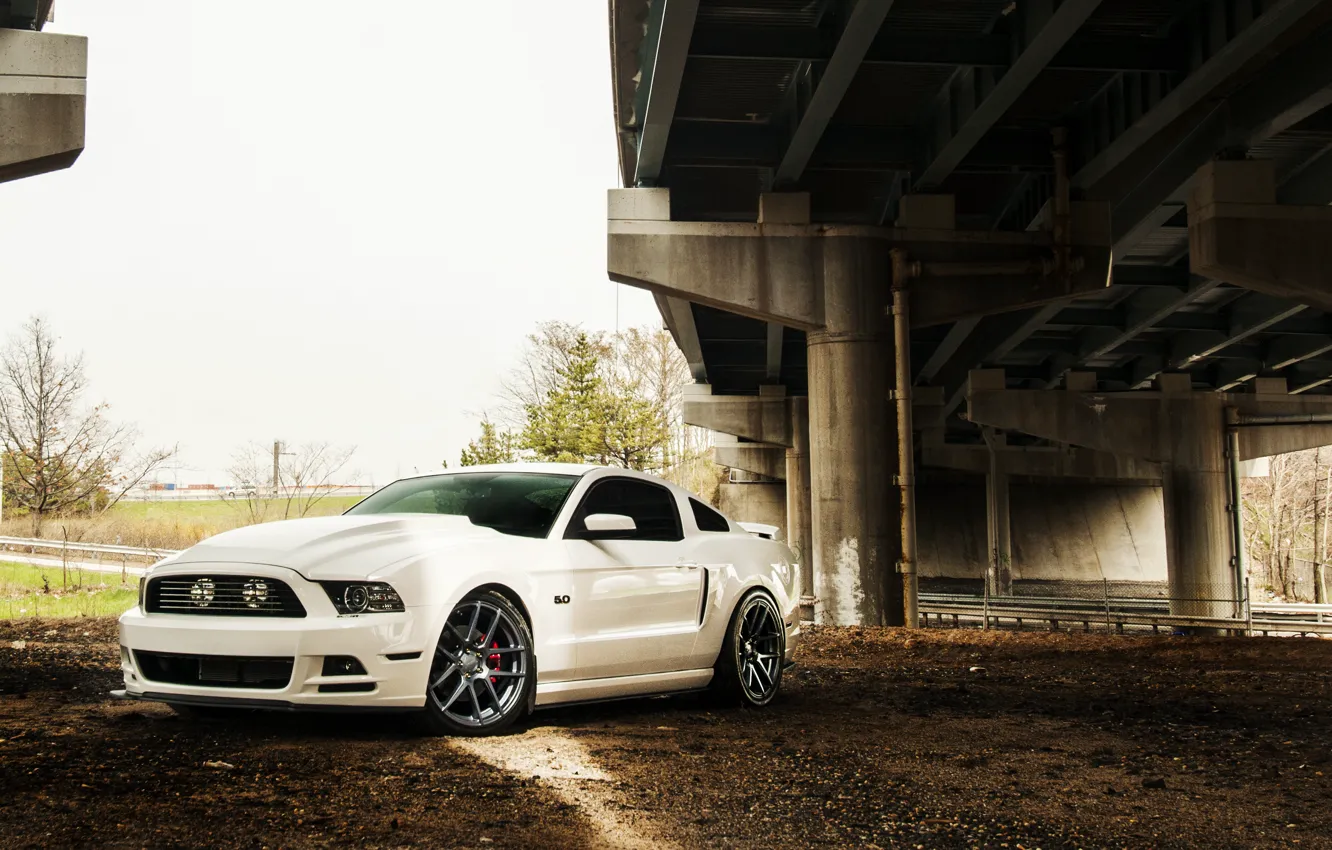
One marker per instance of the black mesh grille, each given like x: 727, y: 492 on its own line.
x: 223, y: 596
x: 214, y: 671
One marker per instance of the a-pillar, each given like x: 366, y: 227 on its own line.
x: 798, y: 535
x: 854, y: 514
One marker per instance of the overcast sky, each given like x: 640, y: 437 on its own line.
x: 302, y: 220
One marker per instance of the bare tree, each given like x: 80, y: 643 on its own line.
x: 650, y: 362
x: 250, y: 467
x: 60, y: 455
x: 311, y: 473
x: 306, y: 476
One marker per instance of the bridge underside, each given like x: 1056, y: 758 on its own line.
x: 1107, y: 205
x: 43, y: 92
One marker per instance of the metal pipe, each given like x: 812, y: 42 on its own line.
x: 1236, y: 503
x: 1283, y: 419
x: 906, y: 479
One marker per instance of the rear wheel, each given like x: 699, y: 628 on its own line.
x: 483, y: 670
x: 749, y: 669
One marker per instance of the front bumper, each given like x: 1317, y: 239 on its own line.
x: 395, y: 649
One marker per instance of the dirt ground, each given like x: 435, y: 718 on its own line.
x: 882, y: 738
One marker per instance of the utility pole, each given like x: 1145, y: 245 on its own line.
x: 277, y: 469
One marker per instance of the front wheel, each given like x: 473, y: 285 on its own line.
x: 749, y: 669
x: 483, y: 669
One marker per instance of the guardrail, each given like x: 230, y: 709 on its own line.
x: 1112, y: 612
x: 100, y: 552
x: 1119, y: 612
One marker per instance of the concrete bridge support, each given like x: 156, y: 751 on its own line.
x: 999, y: 462
x: 1185, y: 433
x: 43, y: 101
x: 853, y: 442
x: 834, y: 283
x: 788, y: 463
x: 748, y: 497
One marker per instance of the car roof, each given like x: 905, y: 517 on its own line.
x: 574, y: 469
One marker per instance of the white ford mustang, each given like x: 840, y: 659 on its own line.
x: 471, y: 598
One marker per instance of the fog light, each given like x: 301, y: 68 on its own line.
x: 342, y: 665
x: 255, y: 593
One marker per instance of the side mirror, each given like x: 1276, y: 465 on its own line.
x: 607, y: 526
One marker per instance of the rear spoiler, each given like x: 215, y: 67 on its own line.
x: 758, y: 529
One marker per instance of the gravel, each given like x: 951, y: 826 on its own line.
x: 882, y: 738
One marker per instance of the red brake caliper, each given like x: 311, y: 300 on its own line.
x: 493, y: 660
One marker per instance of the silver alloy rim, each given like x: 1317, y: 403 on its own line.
x: 480, y: 665
x: 759, y: 646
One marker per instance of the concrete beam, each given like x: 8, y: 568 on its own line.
x: 771, y: 271
x: 1042, y: 462
x: 756, y: 418
x: 758, y: 458
x: 1239, y: 233
x: 664, y: 52
x: 766, y: 419
x: 974, y: 100
x: 43, y: 100
x: 1144, y: 425
x: 1279, y: 19
x: 679, y: 317
x: 862, y: 25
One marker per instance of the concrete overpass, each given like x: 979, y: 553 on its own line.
x: 1104, y: 223
x: 43, y: 92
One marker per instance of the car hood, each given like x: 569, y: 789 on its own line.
x: 339, y: 546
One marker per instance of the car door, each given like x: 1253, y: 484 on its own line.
x: 635, y: 599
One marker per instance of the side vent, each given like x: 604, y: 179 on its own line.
x: 758, y: 529
x: 703, y: 603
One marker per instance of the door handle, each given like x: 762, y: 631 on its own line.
x: 686, y: 565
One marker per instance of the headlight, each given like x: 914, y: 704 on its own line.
x: 362, y: 597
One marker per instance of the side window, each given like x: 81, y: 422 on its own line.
x: 707, y: 519
x: 652, y: 508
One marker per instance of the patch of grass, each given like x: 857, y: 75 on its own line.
x: 221, y: 511
x: 167, y: 525
x: 28, y: 591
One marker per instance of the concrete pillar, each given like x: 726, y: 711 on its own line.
x: 749, y: 498
x: 1000, y: 575
x: 854, y: 517
x: 798, y: 505
x: 1198, y: 533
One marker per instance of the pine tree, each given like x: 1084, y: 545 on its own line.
x: 565, y: 425
x: 493, y: 446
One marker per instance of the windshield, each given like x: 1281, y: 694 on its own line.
x: 520, y: 503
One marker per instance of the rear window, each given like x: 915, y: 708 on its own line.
x: 708, y: 519
x: 519, y: 503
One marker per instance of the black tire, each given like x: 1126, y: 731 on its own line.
x: 484, y: 632
x: 749, y: 668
